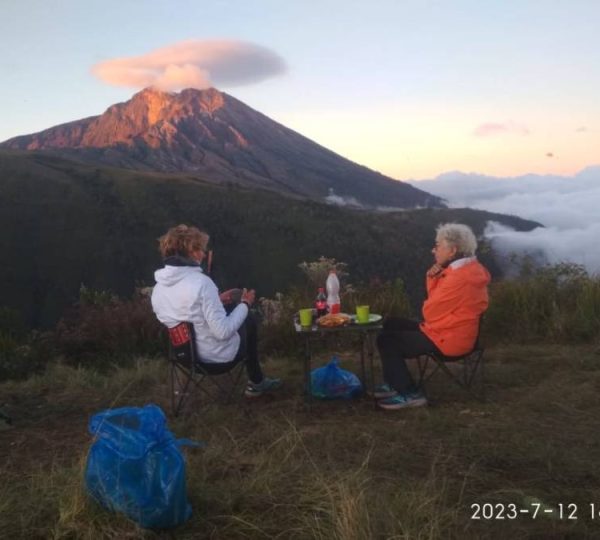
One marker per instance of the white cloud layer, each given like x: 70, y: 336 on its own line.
x: 568, y: 207
x: 193, y: 64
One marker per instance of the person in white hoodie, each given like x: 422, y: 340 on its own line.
x: 183, y: 293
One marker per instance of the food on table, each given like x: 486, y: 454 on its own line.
x: 332, y: 320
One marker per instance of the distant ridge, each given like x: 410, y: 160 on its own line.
x: 65, y: 223
x: 214, y: 135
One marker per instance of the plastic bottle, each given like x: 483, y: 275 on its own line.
x: 321, y: 303
x: 333, y: 292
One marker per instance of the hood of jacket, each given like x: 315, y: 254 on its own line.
x: 473, y: 272
x: 172, y: 275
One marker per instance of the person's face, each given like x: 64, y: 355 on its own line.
x: 199, y: 254
x: 443, y: 252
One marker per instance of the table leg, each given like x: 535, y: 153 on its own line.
x: 363, y: 371
x: 307, y: 379
x: 370, y: 354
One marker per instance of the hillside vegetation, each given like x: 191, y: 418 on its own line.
x: 65, y: 223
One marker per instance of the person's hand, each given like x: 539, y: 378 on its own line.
x: 435, y: 271
x: 225, y: 297
x: 248, y: 296
x: 230, y: 296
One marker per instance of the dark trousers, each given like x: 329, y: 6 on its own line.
x: 401, y: 339
x: 248, y: 349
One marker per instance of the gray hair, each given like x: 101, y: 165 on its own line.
x: 459, y: 236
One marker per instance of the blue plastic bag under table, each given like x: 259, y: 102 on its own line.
x: 332, y: 382
x: 135, y: 466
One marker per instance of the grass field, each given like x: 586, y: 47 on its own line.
x: 346, y: 471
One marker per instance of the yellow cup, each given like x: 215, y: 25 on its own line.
x: 306, y: 317
x: 362, y: 314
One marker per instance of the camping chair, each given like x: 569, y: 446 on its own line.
x: 470, y: 372
x: 189, y: 373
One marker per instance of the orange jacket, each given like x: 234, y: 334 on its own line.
x: 456, y: 298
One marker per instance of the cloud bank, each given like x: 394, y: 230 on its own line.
x: 193, y: 64
x: 568, y: 207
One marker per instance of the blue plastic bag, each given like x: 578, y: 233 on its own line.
x: 332, y: 382
x: 135, y: 466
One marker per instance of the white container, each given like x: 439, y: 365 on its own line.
x: 333, y: 292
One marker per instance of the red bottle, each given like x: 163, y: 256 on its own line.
x: 321, y: 303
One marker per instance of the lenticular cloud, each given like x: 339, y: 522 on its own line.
x: 566, y: 206
x: 193, y: 64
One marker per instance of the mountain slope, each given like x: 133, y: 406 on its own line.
x: 64, y: 224
x: 212, y: 134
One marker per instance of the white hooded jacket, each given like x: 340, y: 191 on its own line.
x: 184, y: 293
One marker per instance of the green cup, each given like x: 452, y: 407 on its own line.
x: 362, y: 314
x: 306, y: 317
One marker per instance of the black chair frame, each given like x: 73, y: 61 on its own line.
x: 471, y: 375
x: 188, y: 372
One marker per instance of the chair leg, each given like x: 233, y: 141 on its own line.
x: 226, y: 384
x: 179, y: 389
x: 472, y: 369
x: 476, y: 380
x: 459, y: 380
x: 183, y: 382
x: 235, y: 381
x: 422, y: 363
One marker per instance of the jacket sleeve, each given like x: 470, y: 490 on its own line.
x: 223, y: 326
x: 444, y: 297
x: 431, y: 283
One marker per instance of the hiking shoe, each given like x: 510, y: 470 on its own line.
x: 401, y: 402
x: 417, y: 395
x: 383, y: 391
x: 258, y: 389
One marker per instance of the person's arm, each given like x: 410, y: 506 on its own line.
x: 231, y: 296
x: 433, y: 276
x: 223, y: 326
x: 445, y: 296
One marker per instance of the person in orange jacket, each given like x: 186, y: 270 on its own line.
x: 456, y: 298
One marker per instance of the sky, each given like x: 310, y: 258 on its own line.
x: 412, y: 89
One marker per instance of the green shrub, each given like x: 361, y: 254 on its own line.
x: 102, y: 327
x: 387, y: 298
x: 277, y: 336
x: 316, y: 272
x: 21, y: 358
x: 559, y: 303
x: 22, y: 353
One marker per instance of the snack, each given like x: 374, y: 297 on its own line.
x: 333, y: 320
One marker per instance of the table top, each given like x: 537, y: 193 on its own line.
x: 351, y: 327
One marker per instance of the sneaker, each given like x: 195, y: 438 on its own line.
x: 383, y: 391
x: 400, y: 402
x: 258, y: 389
x: 417, y: 395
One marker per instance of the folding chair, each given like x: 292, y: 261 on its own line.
x: 470, y: 373
x: 188, y: 373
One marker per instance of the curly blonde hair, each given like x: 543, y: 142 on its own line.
x: 182, y: 240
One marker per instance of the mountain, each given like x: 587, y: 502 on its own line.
x: 213, y: 135
x: 65, y: 223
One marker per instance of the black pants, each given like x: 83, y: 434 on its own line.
x: 248, y: 349
x: 401, y: 339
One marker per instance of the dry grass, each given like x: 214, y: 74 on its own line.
x: 345, y: 472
